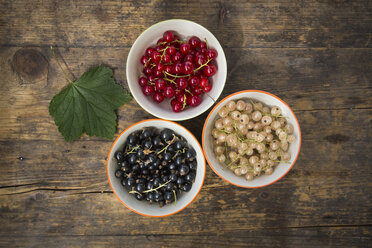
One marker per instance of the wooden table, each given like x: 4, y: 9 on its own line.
x: 315, y: 55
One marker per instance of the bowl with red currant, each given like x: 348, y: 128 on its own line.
x: 176, y: 69
x: 156, y: 167
x: 251, y: 138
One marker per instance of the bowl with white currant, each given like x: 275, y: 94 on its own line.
x: 251, y: 138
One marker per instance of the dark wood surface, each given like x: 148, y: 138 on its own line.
x: 315, y: 55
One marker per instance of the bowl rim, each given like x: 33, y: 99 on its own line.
x: 240, y: 92
x: 214, y: 100
x: 108, y: 160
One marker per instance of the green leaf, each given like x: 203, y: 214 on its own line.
x: 88, y: 105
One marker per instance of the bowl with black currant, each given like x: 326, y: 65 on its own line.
x: 156, y: 167
x: 176, y: 69
x: 251, y: 138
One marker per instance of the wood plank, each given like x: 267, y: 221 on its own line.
x: 62, y: 164
x: 252, y: 23
x: 62, y: 188
x: 291, y: 237
x: 306, y: 79
x: 216, y: 210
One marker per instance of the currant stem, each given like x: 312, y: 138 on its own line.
x: 60, y: 66
x: 176, y: 76
x: 209, y: 60
x: 166, y: 147
x: 170, y: 80
x: 160, y: 186
x: 175, y: 197
x: 147, y: 62
x: 184, y: 102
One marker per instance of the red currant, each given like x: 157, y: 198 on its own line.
x: 209, y: 70
x: 168, y: 68
x: 204, y: 82
x: 148, y: 90
x: 151, y: 78
x: 193, y: 101
x: 168, y: 36
x: 182, y: 83
x: 200, y: 60
x: 156, y: 57
x: 177, y: 68
x: 174, y: 101
x: 202, y: 45
x: 181, y: 98
x: 171, y: 50
x: 158, y: 97
x: 187, y: 67
x: 177, y: 57
x: 160, y: 67
x: 211, y: 54
x: 185, y: 48
x: 161, y: 40
x: 160, y: 84
x: 194, y: 42
x: 160, y: 48
x: 157, y: 73
x: 194, y: 81
x: 149, y: 51
x: 142, y: 81
x: 197, y: 91
x: 177, y: 106
x: 207, y: 88
x: 144, y: 59
x: 179, y: 92
x: 147, y: 71
x: 169, y: 92
x: 166, y: 58
x: 188, y: 57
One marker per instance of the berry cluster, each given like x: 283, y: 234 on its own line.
x: 178, y: 70
x: 251, y: 138
x: 156, y: 166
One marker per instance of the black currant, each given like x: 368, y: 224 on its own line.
x: 139, y: 197
x: 169, y: 196
x: 169, y: 186
x: 184, y: 169
x: 167, y: 156
x: 141, y: 154
x: 150, y: 196
x: 152, y: 158
x: 157, y: 141
x: 178, y: 160
x: 166, y: 134
x: 190, y: 154
x: 132, y: 158
x: 186, y: 187
x: 140, y: 187
x: 190, y: 177
x: 179, y: 145
x: 193, y: 165
x: 173, y: 177
x: 119, y: 173
x: 119, y: 156
x: 156, y: 182
x: 131, y: 182
x: 132, y: 139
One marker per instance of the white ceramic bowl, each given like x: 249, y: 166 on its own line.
x: 263, y: 180
x: 142, y: 207
x: 148, y: 38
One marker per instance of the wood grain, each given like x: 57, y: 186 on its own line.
x: 315, y: 55
x: 266, y: 23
